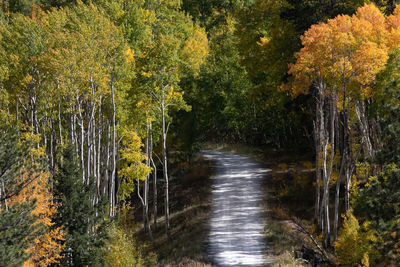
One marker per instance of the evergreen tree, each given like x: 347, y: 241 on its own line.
x: 386, y: 108
x: 79, y: 217
x: 17, y: 224
x: 17, y: 232
x: 12, y: 159
x: 379, y: 203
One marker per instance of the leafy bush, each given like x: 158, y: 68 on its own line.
x: 379, y: 203
x: 353, y: 247
x: 122, y: 250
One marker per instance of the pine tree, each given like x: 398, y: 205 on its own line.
x: 17, y: 232
x: 17, y: 223
x: 77, y: 215
x: 379, y: 203
x: 47, y: 246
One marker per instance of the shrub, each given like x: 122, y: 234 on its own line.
x: 353, y: 247
x: 122, y: 250
x: 379, y: 203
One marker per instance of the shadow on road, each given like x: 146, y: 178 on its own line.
x: 236, y: 227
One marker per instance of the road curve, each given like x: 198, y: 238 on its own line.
x: 236, y: 225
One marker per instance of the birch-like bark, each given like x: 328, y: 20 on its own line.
x: 45, y: 142
x: 154, y: 178
x: 165, y: 162
x: 75, y: 133
x: 146, y: 225
x: 82, y: 140
x: 90, y: 135
x: 326, y: 189
x: 323, y: 143
x: 364, y: 127
x: 88, y: 150
x: 52, y: 167
x: 146, y: 184
x: 317, y: 157
x: 98, y: 192
x: 337, y: 196
x: 324, y: 200
x: 343, y: 165
x: 107, y: 168
x: 114, y: 148
x: 60, y: 123
x: 94, y: 155
x: 348, y: 175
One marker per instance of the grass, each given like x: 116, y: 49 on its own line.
x: 286, y: 259
x: 189, y: 230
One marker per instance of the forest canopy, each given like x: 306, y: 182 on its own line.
x: 98, y: 99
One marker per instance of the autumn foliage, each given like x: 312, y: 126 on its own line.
x: 353, y: 246
x: 339, y: 64
x: 347, y: 51
x: 47, y: 247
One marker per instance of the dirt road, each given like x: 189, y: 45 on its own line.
x: 236, y: 225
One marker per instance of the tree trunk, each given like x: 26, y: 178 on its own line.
x: 81, y: 125
x: 99, y: 125
x: 154, y: 178
x: 146, y: 224
x: 337, y: 197
x: 114, y: 149
x: 59, y: 123
x: 88, y: 150
x: 343, y: 166
x: 317, y: 158
x: 146, y: 184
x: 348, y: 174
x: 326, y: 189
x: 107, y: 167
x: 322, y: 144
x: 325, y: 204
x: 364, y: 127
x: 52, y: 156
x: 165, y: 164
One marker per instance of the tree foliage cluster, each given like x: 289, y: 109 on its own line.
x: 92, y: 86
x: 346, y: 65
x: 335, y: 64
x: 94, y: 96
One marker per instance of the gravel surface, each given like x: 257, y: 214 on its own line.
x: 236, y: 225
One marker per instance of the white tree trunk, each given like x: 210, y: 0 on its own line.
x: 165, y: 163
x: 82, y: 141
x: 114, y: 149
x: 364, y: 127
x: 154, y: 178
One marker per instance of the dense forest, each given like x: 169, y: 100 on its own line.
x: 98, y: 99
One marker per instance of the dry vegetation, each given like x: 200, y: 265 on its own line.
x: 191, y: 208
x: 288, y: 195
x: 190, y: 212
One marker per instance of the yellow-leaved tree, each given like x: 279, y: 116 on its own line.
x: 47, y: 247
x: 134, y: 168
x: 353, y: 246
x: 122, y: 250
x: 195, y: 50
x: 339, y: 61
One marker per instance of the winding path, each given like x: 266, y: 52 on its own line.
x: 236, y: 225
